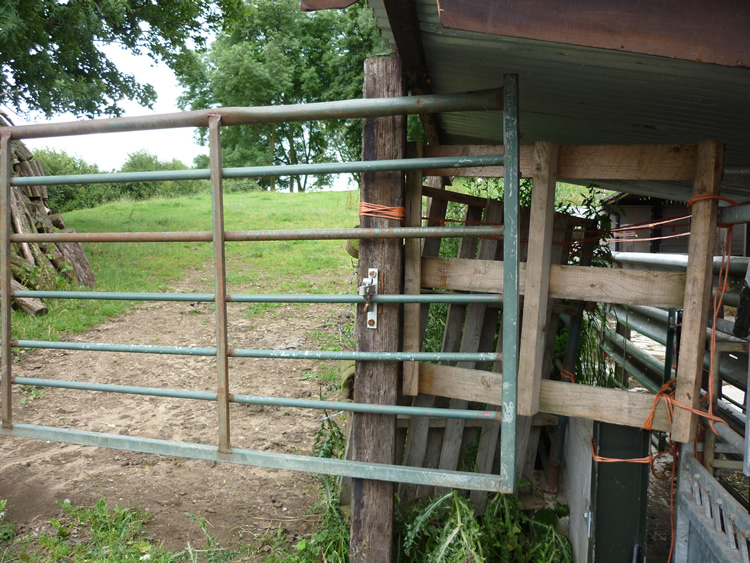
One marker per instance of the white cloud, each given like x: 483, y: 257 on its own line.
x: 110, y: 151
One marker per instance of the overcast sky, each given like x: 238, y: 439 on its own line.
x: 110, y: 151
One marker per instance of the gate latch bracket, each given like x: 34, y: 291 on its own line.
x: 368, y: 290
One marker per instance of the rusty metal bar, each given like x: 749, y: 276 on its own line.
x: 266, y: 236
x: 220, y: 281
x: 6, y: 396
x: 347, y: 109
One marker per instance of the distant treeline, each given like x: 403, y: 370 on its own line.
x: 68, y: 198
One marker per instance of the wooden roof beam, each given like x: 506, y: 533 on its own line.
x: 693, y: 30
x: 404, y: 24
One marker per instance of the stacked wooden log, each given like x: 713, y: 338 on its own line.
x: 39, y: 266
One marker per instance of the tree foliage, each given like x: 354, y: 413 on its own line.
x: 77, y: 196
x: 275, y: 54
x: 50, y: 56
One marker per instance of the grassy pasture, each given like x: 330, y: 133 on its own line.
x: 253, y: 267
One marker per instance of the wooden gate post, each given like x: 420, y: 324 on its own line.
x: 374, y: 436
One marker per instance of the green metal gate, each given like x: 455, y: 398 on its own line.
x: 223, y: 451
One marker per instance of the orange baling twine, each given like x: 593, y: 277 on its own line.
x: 567, y: 375
x: 381, y: 211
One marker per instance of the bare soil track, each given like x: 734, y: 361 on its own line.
x: 240, y: 503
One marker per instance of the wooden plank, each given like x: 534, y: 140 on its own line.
x: 539, y: 419
x: 556, y: 397
x: 527, y: 436
x: 420, y: 427
x: 535, y: 304
x: 627, y: 162
x: 698, y: 288
x: 586, y: 162
x: 461, y: 383
x: 471, y: 336
x: 404, y: 25
x: 412, y: 279
x: 456, y: 197
x: 599, y: 285
x: 373, y: 435
x: 706, y: 32
x: 527, y: 160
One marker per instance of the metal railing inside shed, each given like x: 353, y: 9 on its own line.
x: 214, y: 119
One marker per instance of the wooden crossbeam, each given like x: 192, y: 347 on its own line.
x: 598, y: 285
x: 585, y: 162
x: 556, y: 397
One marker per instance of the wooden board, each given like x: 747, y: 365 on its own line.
x: 698, y: 288
x: 420, y: 427
x: 535, y: 305
x: 456, y: 197
x: 373, y: 436
x: 705, y: 32
x: 556, y: 397
x: 600, y: 285
x: 472, y: 334
x: 586, y: 162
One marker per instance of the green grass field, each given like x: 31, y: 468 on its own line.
x: 253, y: 267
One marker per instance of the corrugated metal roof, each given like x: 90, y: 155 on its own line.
x: 581, y: 95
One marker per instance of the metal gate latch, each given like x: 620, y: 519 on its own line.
x: 368, y: 289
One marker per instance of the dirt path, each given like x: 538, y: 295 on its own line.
x: 240, y: 503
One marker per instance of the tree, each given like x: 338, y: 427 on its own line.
x: 144, y: 161
x: 275, y: 54
x: 50, y: 56
x: 75, y: 196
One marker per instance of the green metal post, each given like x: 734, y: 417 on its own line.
x: 5, y: 218
x: 220, y: 286
x: 510, y: 284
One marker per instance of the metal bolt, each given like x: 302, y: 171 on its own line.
x: 371, y: 273
x: 371, y: 322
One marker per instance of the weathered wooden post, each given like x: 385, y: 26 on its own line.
x: 373, y: 436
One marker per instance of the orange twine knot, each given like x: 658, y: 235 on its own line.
x: 381, y: 211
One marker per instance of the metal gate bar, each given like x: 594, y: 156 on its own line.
x: 268, y: 171
x: 264, y: 236
x: 483, y: 100
x: 487, y: 298
x: 263, y: 400
x: 251, y: 353
x: 214, y: 119
x: 304, y: 464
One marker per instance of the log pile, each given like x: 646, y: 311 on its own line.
x: 39, y: 266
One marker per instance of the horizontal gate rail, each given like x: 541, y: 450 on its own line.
x: 251, y: 353
x: 272, y: 460
x: 481, y: 298
x: 263, y: 400
x: 267, y: 171
x: 482, y: 100
x: 265, y: 236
